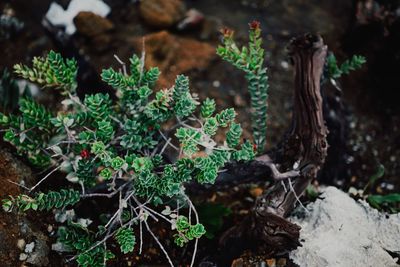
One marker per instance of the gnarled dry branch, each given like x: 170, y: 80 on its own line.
x: 304, y: 144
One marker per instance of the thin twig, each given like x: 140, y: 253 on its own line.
x: 276, y: 174
x: 157, y: 213
x: 44, y: 178
x: 142, y: 60
x: 61, y: 142
x: 284, y: 186
x: 159, y: 243
x: 166, y: 140
x: 122, y: 63
x: 295, y: 195
x: 140, y: 230
x: 18, y: 184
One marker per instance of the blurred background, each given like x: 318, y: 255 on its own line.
x: 181, y: 36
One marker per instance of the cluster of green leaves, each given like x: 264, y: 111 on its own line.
x: 98, y: 141
x: 335, y: 71
x: 42, y: 201
x: 312, y: 192
x: 78, y: 238
x: 52, y: 71
x: 187, y: 231
x: 389, y: 202
x: 30, y: 131
x: 250, y: 59
x: 126, y: 239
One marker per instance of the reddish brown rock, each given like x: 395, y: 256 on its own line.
x: 162, y: 13
x: 95, y: 29
x: 174, y: 55
x: 90, y: 24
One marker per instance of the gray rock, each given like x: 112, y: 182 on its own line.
x: 39, y: 256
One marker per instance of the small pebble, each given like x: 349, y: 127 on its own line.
x: 256, y: 192
x: 349, y: 159
x: 379, y: 190
x: 271, y: 262
x: 353, y: 191
x: 389, y: 186
x: 29, y: 247
x: 284, y: 65
x: 21, y: 244
x: 249, y: 199
x: 239, y: 101
x: 285, y: 32
x: 23, y: 256
x: 216, y: 83
x: 339, y: 182
x: 243, y: 212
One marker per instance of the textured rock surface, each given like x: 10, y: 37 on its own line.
x: 90, y: 24
x: 95, y: 28
x: 162, y: 13
x: 338, y: 231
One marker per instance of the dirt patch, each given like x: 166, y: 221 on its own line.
x: 13, y: 170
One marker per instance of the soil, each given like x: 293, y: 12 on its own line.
x: 9, y: 230
x: 372, y: 130
x: 13, y: 171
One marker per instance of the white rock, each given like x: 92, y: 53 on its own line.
x: 60, y: 17
x: 285, y: 64
x: 64, y: 215
x: 60, y: 247
x: 339, y: 231
x: 23, y: 256
x: 21, y: 244
x: 29, y: 247
x: 84, y: 222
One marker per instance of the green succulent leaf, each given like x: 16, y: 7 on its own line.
x: 126, y: 239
